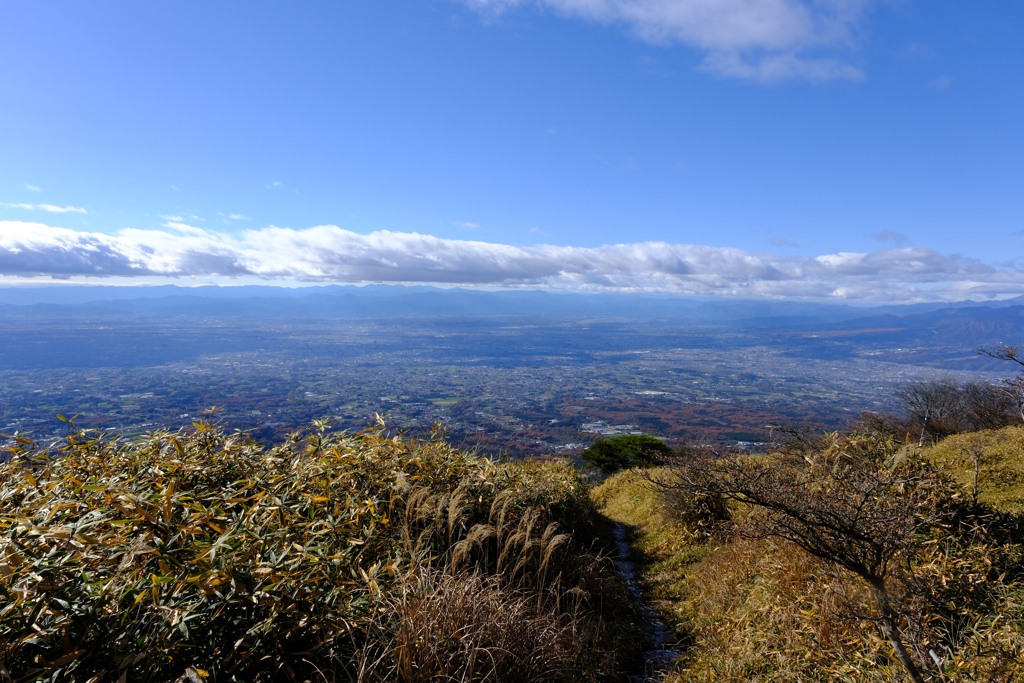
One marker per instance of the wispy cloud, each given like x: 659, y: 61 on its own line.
x: 758, y: 40
x: 770, y: 68
x: 31, y: 188
x: 329, y: 253
x: 49, y: 208
x: 783, y: 241
x: 890, y: 236
x: 177, y: 224
x: 234, y: 216
x: 468, y: 225
x: 915, y: 51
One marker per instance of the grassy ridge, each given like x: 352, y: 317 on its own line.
x: 204, y: 556
x: 999, y: 456
x: 751, y: 607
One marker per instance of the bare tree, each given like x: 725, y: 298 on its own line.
x: 1013, y: 386
x: 1005, y: 352
x: 939, y: 408
x: 989, y: 406
x: 851, y: 510
x: 883, y: 426
x: 934, y: 405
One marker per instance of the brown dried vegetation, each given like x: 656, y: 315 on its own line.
x: 205, y: 556
x: 858, y: 560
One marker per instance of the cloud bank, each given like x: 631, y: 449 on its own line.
x: 758, y: 40
x: 330, y: 254
x: 48, y: 208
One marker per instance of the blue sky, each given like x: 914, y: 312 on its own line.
x: 865, y: 150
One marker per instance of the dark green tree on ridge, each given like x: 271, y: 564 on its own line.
x: 625, y: 451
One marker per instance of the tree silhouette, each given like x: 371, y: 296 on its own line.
x: 625, y: 451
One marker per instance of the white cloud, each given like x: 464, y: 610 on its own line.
x: 177, y: 224
x: 772, y: 68
x: 468, y: 225
x: 32, y: 188
x: 759, y: 40
x: 233, y: 216
x: 328, y: 253
x: 49, y: 208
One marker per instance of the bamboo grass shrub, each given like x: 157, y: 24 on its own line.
x: 202, y: 555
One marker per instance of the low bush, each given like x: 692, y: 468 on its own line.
x: 760, y: 607
x: 625, y: 451
x: 205, y: 556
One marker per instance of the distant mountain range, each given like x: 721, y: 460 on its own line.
x: 390, y: 300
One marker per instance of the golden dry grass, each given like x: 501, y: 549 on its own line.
x: 999, y: 455
x: 203, y: 555
x: 759, y: 609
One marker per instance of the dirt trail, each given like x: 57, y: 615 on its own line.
x: 659, y: 654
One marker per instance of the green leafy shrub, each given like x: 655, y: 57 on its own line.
x: 625, y: 451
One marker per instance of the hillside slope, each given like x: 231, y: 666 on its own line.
x: 749, y: 605
x: 202, y: 555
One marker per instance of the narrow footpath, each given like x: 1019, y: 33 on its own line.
x: 658, y: 655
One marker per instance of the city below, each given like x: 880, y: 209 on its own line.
x: 522, y: 374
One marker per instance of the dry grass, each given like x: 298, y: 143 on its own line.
x: 471, y: 627
x: 666, y: 545
x: 999, y: 455
x: 204, y: 554
x: 669, y: 536
x: 759, y: 609
x: 764, y: 612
